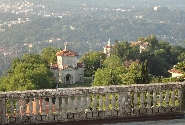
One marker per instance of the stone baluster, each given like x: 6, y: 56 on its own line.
x: 18, y: 116
x: 161, y: 108
x: 135, y: 110
x: 69, y: 104
x: 76, y: 107
x: 58, y: 116
x: 64, y: 114
x: 154, y: 107
x: 161, y: 99
x: 142, y: 108
x: 173, y: 100
x: 149, y: 110
x: 113, y: 101
x: 31, y: 110
x: 88, y: 103
x: 88, y: 107
x: 30, y: 107
x: 179, y: 100
x: 95, y: 103
x: 76, y: 104
x: 107, y: 102
x: 82, y: 104
x: 43, y: 110
x: 50, y: 115
x: 43, y: 106
x: 121, y: 101
x: 11, y: 115
x: 101, y: 112
x: 82, y: 107
x: 37, y: 110
x: 167, y: 101
x: 23, y: 109
x: 95, y: 112
x: 63, y: 105
x: 72, y: 104
x: 167, y: 98
x: 50, y: 106
x: 37, y: 106
x: 57, y: 105
x: 101, y: 102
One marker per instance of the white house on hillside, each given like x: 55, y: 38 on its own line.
x: 175, y: 72
x: 142, y: 45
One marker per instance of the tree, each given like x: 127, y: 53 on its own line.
x: 125, y: 51
x: 132, y: 72
x: 33, y: 59
x: 108, y: 76
x: 30, y: 72
x: 92, y: 61
x: 49, y: 54
x: 153, y: 42
x: 144, y: 73
x: 112, y: 62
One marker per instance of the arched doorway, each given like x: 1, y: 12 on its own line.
x: 68, y: 78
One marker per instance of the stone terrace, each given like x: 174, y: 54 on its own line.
x: 93, y: 103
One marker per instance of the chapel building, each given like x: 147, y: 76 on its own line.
x: 67, y: 70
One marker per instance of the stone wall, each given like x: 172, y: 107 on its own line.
x: 62, y: 105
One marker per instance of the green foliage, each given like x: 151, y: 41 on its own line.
x: 151, y: 39
x: 49, y: 54
x: 180, y: 66
x: 112, y: 62
x: 125, y: 51
x: 30, y: 72
x: 106, y: 77
x: 92, y: 61
x: 132, y: 73
x: 162, y: 57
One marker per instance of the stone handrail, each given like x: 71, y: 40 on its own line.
x: 62, y: 105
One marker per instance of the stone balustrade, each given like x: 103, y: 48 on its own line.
x: 62, y: 105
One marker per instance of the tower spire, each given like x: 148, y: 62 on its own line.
x: 66, y: 46
x: 108, y: 43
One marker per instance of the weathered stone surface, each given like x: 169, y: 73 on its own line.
x: 74, y: 104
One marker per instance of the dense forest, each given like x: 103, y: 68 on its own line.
x: 127, y: 66
x: 94, y: 22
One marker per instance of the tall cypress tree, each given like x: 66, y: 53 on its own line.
x: 144, y: 73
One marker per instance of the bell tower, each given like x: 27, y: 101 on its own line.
x: 107, y: 48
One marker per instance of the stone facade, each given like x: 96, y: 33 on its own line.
x: 67, y: 70
x: 74, y: 104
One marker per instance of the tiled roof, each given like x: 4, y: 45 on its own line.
x: 139, y: 43
x: 108, y: 46
x: 67, y: 53
x: 174, y: 71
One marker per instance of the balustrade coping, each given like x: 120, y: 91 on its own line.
x: 111, y: 88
